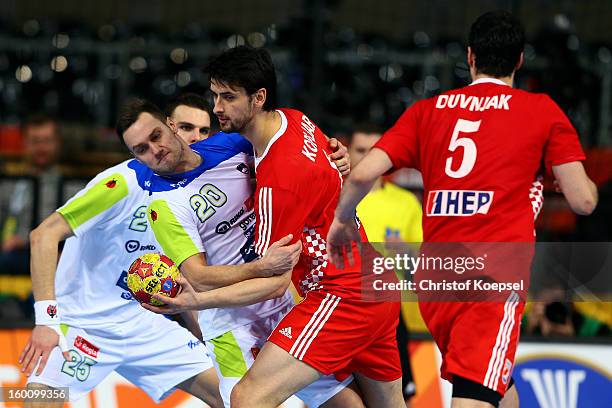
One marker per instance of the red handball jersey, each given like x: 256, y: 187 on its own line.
x: 479, y: 149
x: 297, y: 191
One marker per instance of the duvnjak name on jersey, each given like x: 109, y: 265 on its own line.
x: 459, y: 203
x: 473, y: 103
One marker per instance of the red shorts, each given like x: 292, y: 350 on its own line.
x: 342, y: 336
x: 477, y: 339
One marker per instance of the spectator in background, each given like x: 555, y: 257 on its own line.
x: 191, y: 114
x: 552, y: 316
x: 26, y: 202
x: 596, y: 228
x: 390, y: 215
x: 386, y: 226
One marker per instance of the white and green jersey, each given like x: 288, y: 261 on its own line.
x: 210, y: 210
x: 109, y: 223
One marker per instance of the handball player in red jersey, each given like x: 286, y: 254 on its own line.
x: 479, y: 148
x: 333, y: 330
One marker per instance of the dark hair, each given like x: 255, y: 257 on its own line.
x: 188, y: 99
x: 497, y: 39
x: 246, y: 67
x: 367, y: 127
x: 37, y: 119
x: 131, y: 110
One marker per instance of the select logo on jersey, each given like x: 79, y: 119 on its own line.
x: 459, y: 203
x: 86, y: 347
x: 111, y: 183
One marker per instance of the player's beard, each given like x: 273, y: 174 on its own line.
x: 239, y: 124
x: 174, y: 156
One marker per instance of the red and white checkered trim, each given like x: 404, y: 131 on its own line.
x: 314, y: 245
x: 536, y: 195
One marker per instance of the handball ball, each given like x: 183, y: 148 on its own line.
x: 150, y: 274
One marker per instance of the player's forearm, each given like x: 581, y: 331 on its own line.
x: 594, y: 195
x: 582, y: 197
x: 578, y: 189
x: 244, y: 293
x: 360, y: 182
x: 44, y: 241
x: 43, y: 258
x: 218, y: 276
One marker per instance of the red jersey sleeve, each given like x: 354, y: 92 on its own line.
x: 563, y: 145
x: 279, y: 212
x: 401, y: 141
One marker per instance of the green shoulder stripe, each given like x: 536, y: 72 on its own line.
x: 169, y: 232
x: 99, y: 198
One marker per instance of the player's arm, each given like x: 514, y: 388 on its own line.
x: 237, y: 295
x: 563, y: 155
x: 578, y: 189
x: 360, y: 182
x: 245, y: 293
x: 397, y: 148
x: 177, y: 233
x: 44, y: 242
x: 280, y: 259
x: 340, y: 156
x: 81, y: 213
x: 282, y: 213
x: 343, y: 231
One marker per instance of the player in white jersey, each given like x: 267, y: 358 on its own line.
x: 85, y: 307
x: 190, y: 114
x: 202, y: 215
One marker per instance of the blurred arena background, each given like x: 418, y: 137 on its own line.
x: 345, y: 63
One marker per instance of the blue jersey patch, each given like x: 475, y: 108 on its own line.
x: 213, y: 150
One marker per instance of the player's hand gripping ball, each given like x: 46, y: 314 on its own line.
x: 150, y: 274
